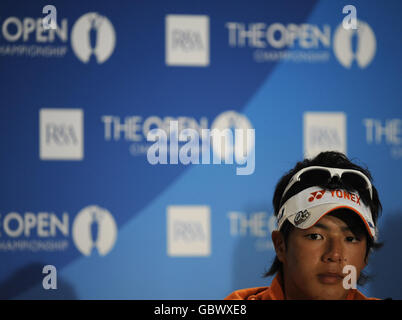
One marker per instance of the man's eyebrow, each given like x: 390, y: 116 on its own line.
x: 324, y: 227
x: 320, y: 226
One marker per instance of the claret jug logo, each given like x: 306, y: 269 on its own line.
x: 355, y: 44
x: 94, y: 229
x: 93, y: 36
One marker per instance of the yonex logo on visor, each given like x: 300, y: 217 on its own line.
x: 316, y: 195
x: 346, y: 195
x: 341, y: 194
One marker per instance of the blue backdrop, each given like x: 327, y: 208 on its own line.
x: 77, y: 190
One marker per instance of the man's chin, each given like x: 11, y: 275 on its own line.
x: 327, y: 292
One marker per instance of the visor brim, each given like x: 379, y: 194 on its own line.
x: 318, y: 212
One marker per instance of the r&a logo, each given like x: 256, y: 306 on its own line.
x: 188, y: 231
x: 187, y: 40
x: 324, y: 131
x: 61, y: 134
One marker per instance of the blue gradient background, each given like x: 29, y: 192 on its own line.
x: 136, y: 81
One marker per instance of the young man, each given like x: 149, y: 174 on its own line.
x: 326, y: 210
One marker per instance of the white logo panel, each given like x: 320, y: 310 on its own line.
x: 187, y: 40
x: 61, y: 135
x: 188, y: 231
x: 324, y: 131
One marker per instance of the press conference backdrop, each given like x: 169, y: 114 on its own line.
x: 78, y: 191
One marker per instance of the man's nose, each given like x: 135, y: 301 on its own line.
x: 334, y: 251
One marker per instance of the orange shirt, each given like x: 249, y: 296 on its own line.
x: 275, y: 292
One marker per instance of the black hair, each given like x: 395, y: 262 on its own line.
x: 330, y: 159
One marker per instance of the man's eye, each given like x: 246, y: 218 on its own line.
x: 352, y: 239
x: 314, y: 236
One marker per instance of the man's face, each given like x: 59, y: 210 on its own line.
x: 314, y: 259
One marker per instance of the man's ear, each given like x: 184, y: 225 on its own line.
x: 366, y: 259
x: 279, y: 244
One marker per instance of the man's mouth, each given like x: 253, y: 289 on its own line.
x: 330, y: 277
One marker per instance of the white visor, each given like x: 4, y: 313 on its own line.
x: 307, y: 207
